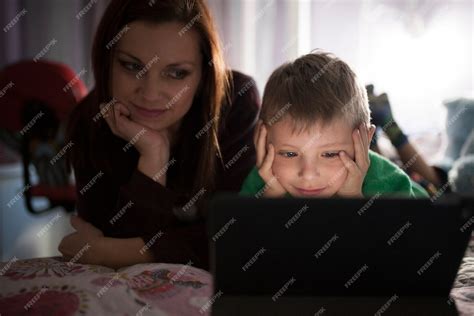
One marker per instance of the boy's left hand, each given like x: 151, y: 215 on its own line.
x: 356, y: 170
x: 82, y: 245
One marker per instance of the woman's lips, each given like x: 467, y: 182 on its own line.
x: 147, y: 113
x: 310, y: 191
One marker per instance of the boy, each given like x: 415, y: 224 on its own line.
x: 314, y: 135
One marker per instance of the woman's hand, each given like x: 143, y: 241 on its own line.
x: 84, y: 245
x: 265, y: 157
x: 153, y: 146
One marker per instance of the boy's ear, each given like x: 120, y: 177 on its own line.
x: 371, y: 132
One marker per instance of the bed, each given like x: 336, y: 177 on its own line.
x: 51, y: 286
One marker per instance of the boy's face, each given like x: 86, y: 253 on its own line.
x: 308, y: 163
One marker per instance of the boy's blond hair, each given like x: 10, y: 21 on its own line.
x: 317, y: 87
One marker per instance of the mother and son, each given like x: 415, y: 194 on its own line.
x: 168, y: 125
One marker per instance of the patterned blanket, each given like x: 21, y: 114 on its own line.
x: 51, y: 286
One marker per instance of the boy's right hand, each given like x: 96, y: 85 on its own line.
x: 265, y: 157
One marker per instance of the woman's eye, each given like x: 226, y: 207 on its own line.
x: 131, y: 66
x: 288, y: 154
x: 177, y: 73
x: 331, y: 155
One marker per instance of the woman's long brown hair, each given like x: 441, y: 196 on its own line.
x: 208, y: 101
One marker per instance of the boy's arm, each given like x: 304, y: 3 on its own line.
x: 253, y: 184
x: 417, y: 191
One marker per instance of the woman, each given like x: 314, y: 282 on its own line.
x: 166, y: 126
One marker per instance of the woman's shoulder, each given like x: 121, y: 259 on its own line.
x: 243, y: 103
x: 244, y: 87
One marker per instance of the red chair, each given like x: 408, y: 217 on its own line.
x: 52, y: 90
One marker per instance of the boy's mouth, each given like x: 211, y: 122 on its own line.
x: 310, y: 192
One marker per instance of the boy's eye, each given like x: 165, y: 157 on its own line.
x: 331, y: 155
x: 131, y: 66
x: 177, y: 73
x: 288, y: 154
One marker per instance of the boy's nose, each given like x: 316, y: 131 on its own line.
x: 309, y: 171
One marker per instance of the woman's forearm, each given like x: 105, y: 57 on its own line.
x: 415, y: 162
x: 122, y: 252
x: 152, y: 168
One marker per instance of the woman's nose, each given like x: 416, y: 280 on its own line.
x: 151, y: 89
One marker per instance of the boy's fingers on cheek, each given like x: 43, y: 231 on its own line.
x: 260, y: 150
x: 358, y: 148
x: 366, y: 136
x: 267, y: 163
x: 262, y: 143
x: 348, y: 163
x: 255, y: 135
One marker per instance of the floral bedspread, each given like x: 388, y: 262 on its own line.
x: 51, y: 286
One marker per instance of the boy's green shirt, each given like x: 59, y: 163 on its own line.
x: 383, y: 177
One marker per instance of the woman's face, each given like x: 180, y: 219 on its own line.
x: 156, y: 72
